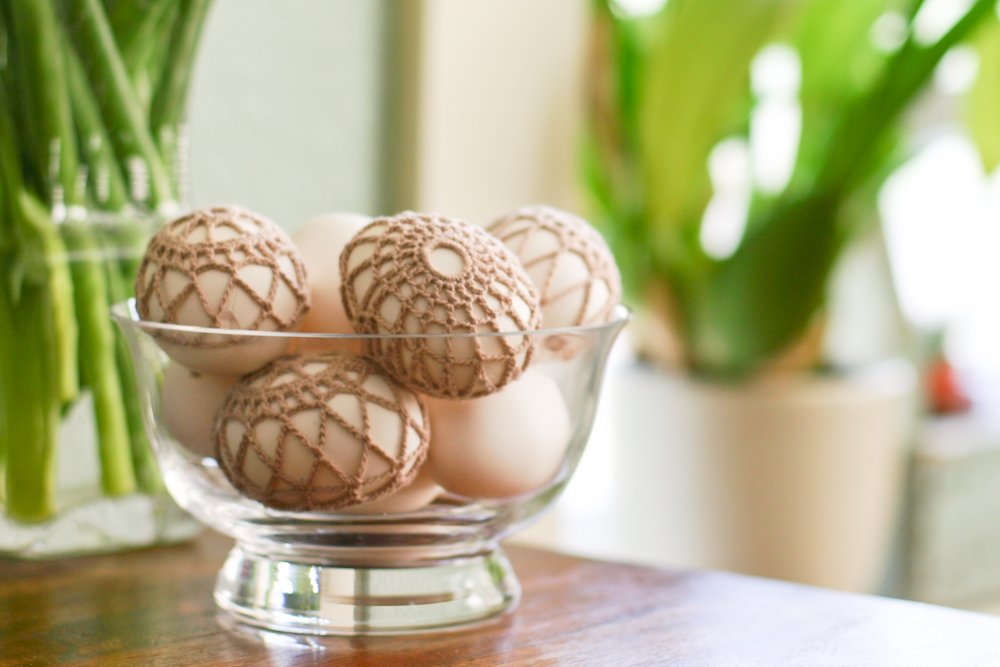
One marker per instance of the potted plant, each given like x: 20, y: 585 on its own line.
x: 799, y: 491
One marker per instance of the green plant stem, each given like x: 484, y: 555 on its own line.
x: 170, y: 99
x: 130, y: 239
x: 39, y: 258
x: 117, y: 273
x: 86, y: 86
x: 32, y: 437
x: 119, y: 278
x: 171, y: 96
x: 107, y: 182
x: 147, y: 472
x: 7, y: 383
x: 43, y: 98
x: 36, y: 34
x: 100, y: 371
x: 120, y: 106
x: 42, y: 243
x: 142, y: 32
x: 7, y: 348
x: 134, y: 24
x: 52, y: 143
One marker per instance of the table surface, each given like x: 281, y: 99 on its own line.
x: 155, y: 608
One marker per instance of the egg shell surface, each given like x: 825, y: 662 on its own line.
x: 222, y: 268
x: 240, y: 358
x: 320, y: 432
x: 320, y: 242
x: 417, y: 494
x: 424, y: 273
x: 502, y: 445
x: 568, y: 261
x: 190, y: 403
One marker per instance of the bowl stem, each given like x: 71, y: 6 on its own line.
x: 277, y: 594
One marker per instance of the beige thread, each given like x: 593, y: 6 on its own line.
x: 290, y: 386
x: 572, y: 235
x: 407, y: 294
x: 190, y: 246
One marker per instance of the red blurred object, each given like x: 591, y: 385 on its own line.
x: 945, y: 394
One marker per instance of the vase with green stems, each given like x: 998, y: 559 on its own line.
x: 92, y: 159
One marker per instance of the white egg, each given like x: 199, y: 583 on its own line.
x: 320, y: 242
x: 502, y: 445
x: 417, y: 494
x: 222, y: 268
x: 190, y: 403
x: 569, y: 264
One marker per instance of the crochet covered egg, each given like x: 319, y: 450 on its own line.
x: 448, y: 295
x: 222, y: 268
x: 569, y: 264
x: 321, y: 432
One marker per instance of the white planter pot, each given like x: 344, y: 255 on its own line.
x: 801, y: 477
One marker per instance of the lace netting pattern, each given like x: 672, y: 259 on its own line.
x: 543, y: 238
x: 429, y: 274
x: 309, y: 433
x: 232, y: 243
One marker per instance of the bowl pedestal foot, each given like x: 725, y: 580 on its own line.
x: 276, y: 593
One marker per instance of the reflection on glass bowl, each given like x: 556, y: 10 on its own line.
x: 421, y: 554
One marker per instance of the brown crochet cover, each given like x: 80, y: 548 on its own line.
x: 428, y: 274
x: 294, y: 385
x: 223, y: 240
x: 570, y: 235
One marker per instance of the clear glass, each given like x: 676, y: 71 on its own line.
x: 433, y: 568
x: 86, y: 481
x: 90, y: 161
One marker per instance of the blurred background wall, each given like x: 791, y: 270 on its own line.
x: 470, y: 108
x: 286, y: 111
x: 500, y: 105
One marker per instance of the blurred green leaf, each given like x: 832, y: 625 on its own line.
x: 838, y: 60
x: 694, y: 88
x: 764, y: 297
x: 687, y: 87
x: 850, y: 160
x: 609, y: 162
x: 982, y: 114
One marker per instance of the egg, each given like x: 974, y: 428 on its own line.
x: 503, y: 445
x: 190, y: 403
x: 320, y: 242
x: 320, y: 432
x: 222, y: 268
x: 423, y: 274
x: 569, y: 264
x: 417, y: 494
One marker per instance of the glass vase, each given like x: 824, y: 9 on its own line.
x: 78, y: 475
x: 92, y: 148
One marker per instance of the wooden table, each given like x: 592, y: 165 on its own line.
x: 155, y: 608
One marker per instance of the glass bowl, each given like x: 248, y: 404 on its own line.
x: 341, y: 572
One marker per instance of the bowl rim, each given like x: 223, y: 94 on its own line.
x: 126, y: 314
